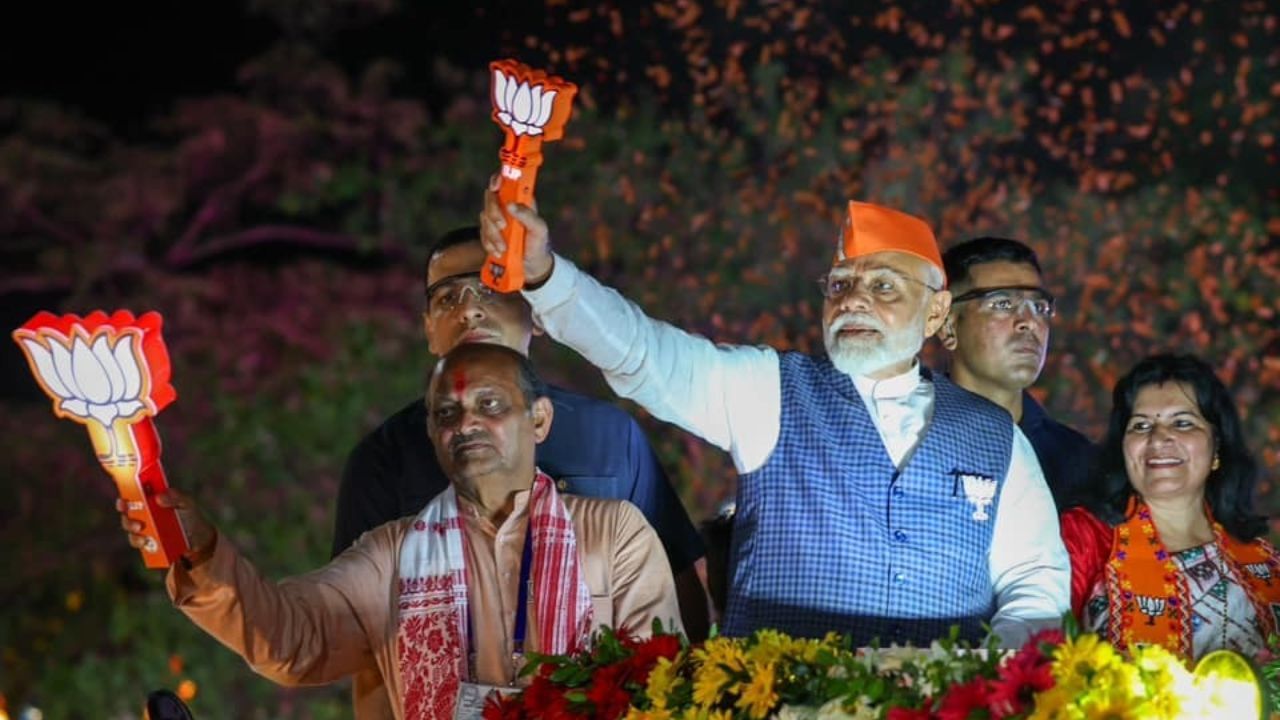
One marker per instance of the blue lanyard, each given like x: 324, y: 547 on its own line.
x: 523, y: 592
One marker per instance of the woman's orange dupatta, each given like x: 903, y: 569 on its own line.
x: 1149, y: 597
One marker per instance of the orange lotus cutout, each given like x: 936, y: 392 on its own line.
x: 531, y: 107
x: 111, y: 374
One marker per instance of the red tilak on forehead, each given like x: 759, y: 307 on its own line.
x: 459, y: 381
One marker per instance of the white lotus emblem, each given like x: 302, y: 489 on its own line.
x: 522, y: 107
x: 981, y: 492
x: 99, y: 381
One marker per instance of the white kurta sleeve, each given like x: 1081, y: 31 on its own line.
x: 727, y: 395
x: 1030, y: 572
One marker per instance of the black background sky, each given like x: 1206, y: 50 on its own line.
x: 123, y: 62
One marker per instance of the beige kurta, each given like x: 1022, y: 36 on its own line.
x: 341, y: 619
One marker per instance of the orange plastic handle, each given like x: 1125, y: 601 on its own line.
x: 531, y: 107
x: 506, y: 273
x: 139, y: 479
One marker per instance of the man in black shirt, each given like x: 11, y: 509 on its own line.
x: 998, y: 334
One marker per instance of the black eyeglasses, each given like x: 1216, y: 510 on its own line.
x: 1009, y: 300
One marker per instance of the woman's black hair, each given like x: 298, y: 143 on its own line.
x: 1229, y: 489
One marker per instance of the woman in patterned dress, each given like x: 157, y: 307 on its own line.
x: 1166, y: 548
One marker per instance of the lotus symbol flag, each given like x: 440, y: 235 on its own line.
x: 100, y: 382
x: 531, y: 107
x: 111, y: 374
x: 522, y: 108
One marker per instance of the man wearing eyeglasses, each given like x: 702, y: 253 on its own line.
x: 874, y: 498
x: 998, y: 334
x: 594, y: 449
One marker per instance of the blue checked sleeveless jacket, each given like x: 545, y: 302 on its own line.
x: 830, y: 536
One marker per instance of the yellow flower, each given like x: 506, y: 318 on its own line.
x: 703, y: 714
x: 758, y: 695
x: 1056, y: 703
x: 1168, y: 683
x: 709, y: 685
x: 770, y: 646
x: 808, y: 650
x: 1047, y: 704
x: 716, y: 659
x: 1117, y: 706
x: 1116, y: 682
x: 662, y: 680
x: 1076, y: 661
x: 722, y: 651
x: 654, y: 714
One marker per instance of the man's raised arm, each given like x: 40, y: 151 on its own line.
x: 728, y: 395
x: 307, y: 630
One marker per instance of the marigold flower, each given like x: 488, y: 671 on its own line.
x: 662, y: 680
x: 759, y: 695
x: 1077, y: 660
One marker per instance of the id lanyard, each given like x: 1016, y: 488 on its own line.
x: 523, y: 592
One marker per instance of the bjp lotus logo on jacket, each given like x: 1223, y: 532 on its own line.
x: 979, y: 490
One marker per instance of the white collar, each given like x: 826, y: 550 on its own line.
x: 897, y: 386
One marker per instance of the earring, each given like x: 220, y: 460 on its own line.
x: 1217, y: 463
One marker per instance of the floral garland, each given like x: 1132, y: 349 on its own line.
x: 771, y: 675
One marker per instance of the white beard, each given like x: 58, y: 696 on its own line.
x: 863, y: 356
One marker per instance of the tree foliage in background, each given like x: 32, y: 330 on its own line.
x: 280, y: 229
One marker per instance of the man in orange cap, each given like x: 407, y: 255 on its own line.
x: 875, y: 499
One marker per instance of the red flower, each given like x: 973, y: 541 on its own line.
x: 659, y: 646
x: 499, y: 707
x: 639, y: 665
x: 607, y: 694
x: 540, y: 694
x: 961, y: 701
x: 1052, y: 637
x: 555, y: 708
x: 1021, y: 677
x: 900, y: 713
x: 626, y: 638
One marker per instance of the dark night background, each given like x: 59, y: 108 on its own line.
x: 267, y: 174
